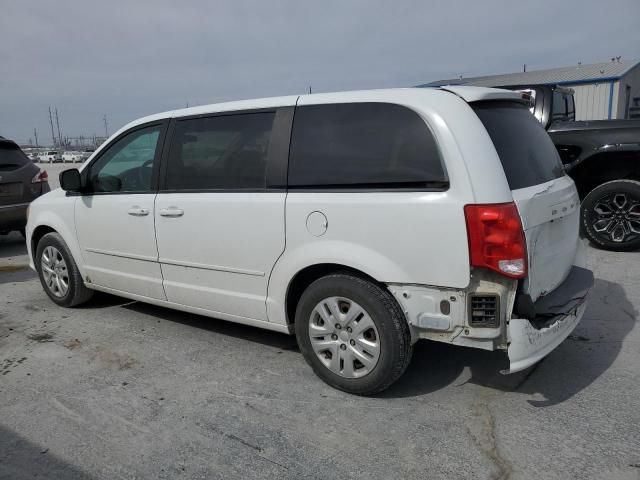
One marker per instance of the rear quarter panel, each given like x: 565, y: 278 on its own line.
x: 397, y: 237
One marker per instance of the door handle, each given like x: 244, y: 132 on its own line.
x: 171, y: 212
x: 137, y: 211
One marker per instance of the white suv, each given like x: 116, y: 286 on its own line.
x: 360, y: 221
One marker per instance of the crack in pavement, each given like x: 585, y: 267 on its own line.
x: 486, y: 440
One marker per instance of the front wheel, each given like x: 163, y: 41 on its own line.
x: 353, y: 334
x: 611, y: 215
x: 58, y: 272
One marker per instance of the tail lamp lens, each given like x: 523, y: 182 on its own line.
x: 496, y: 238
x: 41, y: 176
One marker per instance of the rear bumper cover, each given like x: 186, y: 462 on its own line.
x: 555, y: 315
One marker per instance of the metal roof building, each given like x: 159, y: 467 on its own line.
x: 602, y: 90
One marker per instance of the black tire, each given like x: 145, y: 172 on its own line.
x: 390, y: 322
x: 77, y: 293
x: 603, y: 195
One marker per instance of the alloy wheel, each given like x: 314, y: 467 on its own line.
x: 55, y: 272
x: 616, y: 217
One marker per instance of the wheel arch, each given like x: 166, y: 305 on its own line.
x: 301, y: 265
x: 37, y: 234
x: 602, y: 167
x: 305, y: 277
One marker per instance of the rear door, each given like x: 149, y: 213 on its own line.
x: 546, y: 198
x: 220, y: 213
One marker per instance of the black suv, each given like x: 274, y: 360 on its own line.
x: 20, y: 182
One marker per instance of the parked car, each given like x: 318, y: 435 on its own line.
x: 86, y: 153
x: 364, y: 222
x: 20, y: 182
x: 50, y: 157
x: 603, y: 158
x: 71, y: 156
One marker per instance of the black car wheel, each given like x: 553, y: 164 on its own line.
x: 611, y: 215
x: 353, y: 334
x: 59, y: 273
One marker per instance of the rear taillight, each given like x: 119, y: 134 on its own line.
x: 41, y: 176
x: 496, y: 238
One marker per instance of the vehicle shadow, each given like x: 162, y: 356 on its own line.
x: 12, y: 245
x: 574, y: 365
x: 245, y: 332
x: 21, y: 459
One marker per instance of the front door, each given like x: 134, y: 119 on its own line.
x: 115, y: 222
x: 219, y: 228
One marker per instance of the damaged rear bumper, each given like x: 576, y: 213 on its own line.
x: 550, y: 320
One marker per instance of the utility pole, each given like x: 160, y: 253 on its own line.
x: 35, y: 134
x: 106, y: 127
x: 53, y: 135
x: 58, y: 124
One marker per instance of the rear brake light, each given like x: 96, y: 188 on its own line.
x: 496, y: 238
x: 41, y: 176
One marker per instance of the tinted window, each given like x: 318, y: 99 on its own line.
x: 562, y: 108
x: 528, y: 155
x: 127, y: 164
x: 11, y: 157
x: 223, y: 152
x: 363, y: 145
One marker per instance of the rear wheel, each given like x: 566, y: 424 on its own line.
x: 611, y: 215
x: 59, y: 274
x: 353, y: 334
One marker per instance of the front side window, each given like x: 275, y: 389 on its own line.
x: 127, y: 165
x: 227, y: 152
x: 363, y: 145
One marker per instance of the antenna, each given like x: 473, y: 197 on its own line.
x: 106, y: 126
x: 53, y: 135
x: 58, y: 124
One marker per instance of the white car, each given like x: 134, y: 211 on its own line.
x: 50, y: 157
x: 361, y: 222
x: 71, y: 157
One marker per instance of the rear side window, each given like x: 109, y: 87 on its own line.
x: 528, y: 155
x: 11, y: 157
x: 360, y: 145
x: 220, y: 153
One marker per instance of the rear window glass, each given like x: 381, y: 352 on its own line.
x: 11, y: 157
x: 361, y: 145
x: 526, y: 151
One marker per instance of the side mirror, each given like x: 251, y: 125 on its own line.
x: 70, y: 180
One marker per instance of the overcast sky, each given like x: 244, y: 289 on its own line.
x: 127, y: 59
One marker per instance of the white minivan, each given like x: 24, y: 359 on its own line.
x: 361, y: 222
